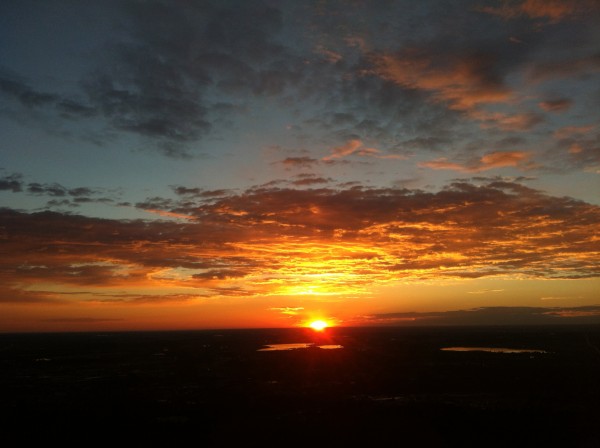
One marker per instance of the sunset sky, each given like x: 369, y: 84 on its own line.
x: 227, y: 164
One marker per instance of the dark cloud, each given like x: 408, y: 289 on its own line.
x: 174, y: 73
x: 12, y: 87
x: 564, y: 68
x: 159, y: 76
x: 70, y: 197
x: 157, y: 203
x: 58, y: 190
x: 46, y: 189
x: 493, y: 316
x: 310, y: 179
x: 26, y: 95
x: 15, y: 295
x: 73, y: 109
x: 12, y: 182
x: 299, y: 162
x: 60, y: 203
x: 199, y: 192
x: 576, y: 148
x: 556, y: 105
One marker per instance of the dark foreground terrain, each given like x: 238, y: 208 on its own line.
x: 386, y: 387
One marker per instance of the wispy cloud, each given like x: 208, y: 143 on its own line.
x: 556, y: 105
x: 290, y: 311
x: 551, y: 10
x: 498, y: 159
x: 356, y: 147
x: 570, y: 131
x: 86, y: 320
x: 485, y: 291
x: 491, y: 315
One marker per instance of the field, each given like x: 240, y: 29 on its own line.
x: 386, y: 386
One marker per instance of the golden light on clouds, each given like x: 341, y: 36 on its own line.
x: 362, y: 241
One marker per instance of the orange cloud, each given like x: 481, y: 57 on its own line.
x: 286, y: 242
x: 507, y: 122
x: 463, y: 82
x: 570, y: 131
x: 558, y: 105
x: 553, y: 10
x: 329, y: 55
x: 356, y: 147
x: 167, y: 214
x: 345, y: 150
x: 497, y: 159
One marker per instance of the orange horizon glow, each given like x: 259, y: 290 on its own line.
x: 312, y: 253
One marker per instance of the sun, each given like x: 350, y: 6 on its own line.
x: 318, y: 325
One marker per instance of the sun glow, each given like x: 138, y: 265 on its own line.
x: 318, y: 325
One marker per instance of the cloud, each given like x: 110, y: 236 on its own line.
x: 199, y: 192
x: 563, y: 68
x: 576, y: 147
x: 11, y: 294
x: 508, y: 122
x: 69, y: 197
x: 310, y: 179
x: 12, y: 182
x: 492, y: 316
x: 492, y: 160
x: 13, y: 87
x: 164, y: 213
x: 283, y: 241
x: 570, y: 131
x: 559, y: 297
x: 87, y: 320
x: 557, y: 105
x: 356, y: 147
x: 176, y: 75
x: 345, y: 150
x: 26, y: 95
x: 299, y: 162
x: 464, y: 81
x: 290, y: 311
x: 485, y: 291
x: 49, y: 190
x: 551, y: 10
x: 162, y: 75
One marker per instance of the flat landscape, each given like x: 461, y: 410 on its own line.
x: 370, y: 386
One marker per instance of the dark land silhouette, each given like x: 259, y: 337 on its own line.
x: 385, y: 387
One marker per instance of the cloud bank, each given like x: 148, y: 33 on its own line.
x: 279, y: 240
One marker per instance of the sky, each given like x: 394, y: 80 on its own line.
x: 241, y: 164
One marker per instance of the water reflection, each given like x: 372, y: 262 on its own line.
x: 280, y: 347
x: 491, y: 350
